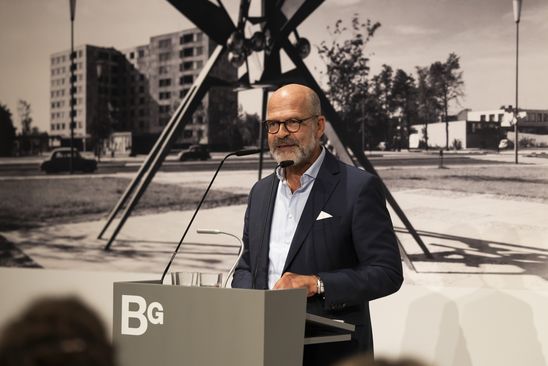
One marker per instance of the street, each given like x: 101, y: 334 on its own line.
x: 31, y: 166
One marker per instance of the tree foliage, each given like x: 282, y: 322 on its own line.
x: 7, y: 132
x: 24, y: 111
x: 446, y: 81
x: 347, y: 68
x: 385, y: 106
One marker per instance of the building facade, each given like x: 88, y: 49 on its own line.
x: 480, y: 129
x: 138, y: 89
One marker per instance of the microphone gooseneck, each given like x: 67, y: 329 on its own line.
x: 236, y: 153
x: 282, y: 164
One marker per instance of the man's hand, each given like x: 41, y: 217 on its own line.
x: 293, y: 280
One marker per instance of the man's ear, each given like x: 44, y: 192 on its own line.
x: 321, y: 126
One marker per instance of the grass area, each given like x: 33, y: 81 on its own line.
x: 520, y: 182
x: 35, y: 202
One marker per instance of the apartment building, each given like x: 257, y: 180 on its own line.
x: 138, y: 89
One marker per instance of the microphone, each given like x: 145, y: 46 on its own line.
x: 282, y: 164
x: 235, y: 153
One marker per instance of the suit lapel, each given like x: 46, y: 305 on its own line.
x: 324, y: 185
x: 264, y: 240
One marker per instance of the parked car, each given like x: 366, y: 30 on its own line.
x: 506, y: 144
x: 194, y: 152
x: 59, y: 161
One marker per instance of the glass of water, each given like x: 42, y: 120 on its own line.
x: 184, y: 278
x: 210, y: 279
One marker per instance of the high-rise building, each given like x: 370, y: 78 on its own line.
x: 138, y: 89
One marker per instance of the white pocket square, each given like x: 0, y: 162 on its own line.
x: 323, y: 215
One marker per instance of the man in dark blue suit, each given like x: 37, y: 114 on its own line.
x: 327, y: 230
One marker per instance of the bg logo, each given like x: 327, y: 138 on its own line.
x: 154, y: 314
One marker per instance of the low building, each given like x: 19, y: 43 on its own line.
x: 478, y: 129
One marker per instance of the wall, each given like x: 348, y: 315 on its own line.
x: 445, y: 326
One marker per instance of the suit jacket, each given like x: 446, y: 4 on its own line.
x: 354, y: 252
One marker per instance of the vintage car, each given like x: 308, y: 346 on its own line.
x: 194, y: 152
x: 59, y: 161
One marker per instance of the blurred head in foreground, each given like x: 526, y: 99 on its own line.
x: 56, y: 332
x: 367, y: 360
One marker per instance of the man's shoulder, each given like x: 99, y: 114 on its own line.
x: 355, y: 174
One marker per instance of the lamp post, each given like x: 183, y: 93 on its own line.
x: 517, y: 13
x: 72, y: 4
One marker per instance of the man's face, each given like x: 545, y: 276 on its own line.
x: 297, y: 146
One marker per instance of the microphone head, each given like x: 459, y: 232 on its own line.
x: 247, y: 152
x: 286, y: 163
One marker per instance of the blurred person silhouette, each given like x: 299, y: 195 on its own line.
x: 56, y: 331
x: 369, y: 360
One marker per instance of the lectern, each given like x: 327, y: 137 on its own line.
x: 165, y: 325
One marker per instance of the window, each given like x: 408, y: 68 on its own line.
x: 187, y: 79
x: 500, y: 116
x: 199, y: 64
x: 186, y: 66
x: 164, y: 95
x: 482, y: 118
x: 163, y: 109
x: 491, y: 118
x: 164, y: 56
x: 162, y: 70
x: 141, y: 53
x: 199, y: 37
x: 187, y: 52
x: 164, y: 43
x: 199, y: 51
x: 131, y: 55
x: 164, y: 82
x: 183, y: 92
x: 187, y: 38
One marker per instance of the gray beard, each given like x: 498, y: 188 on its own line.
x: 300, y: 154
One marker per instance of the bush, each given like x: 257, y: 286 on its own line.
x: 527, y: 142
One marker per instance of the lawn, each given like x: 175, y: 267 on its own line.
x: 33, y: 202
x: 507, y: 181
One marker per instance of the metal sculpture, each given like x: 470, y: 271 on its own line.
x: 279, y: 21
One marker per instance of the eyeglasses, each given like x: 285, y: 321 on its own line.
x: 291, y: 125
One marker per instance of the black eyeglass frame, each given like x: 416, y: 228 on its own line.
x: 271, y: 123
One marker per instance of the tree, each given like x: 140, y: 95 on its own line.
x: 24, y: 111
x: 446, y: 79
x: 347, y: 70
x: 427, y: 104
x: 404, y: 99
x: 7, y: 132
x: 380, y: 92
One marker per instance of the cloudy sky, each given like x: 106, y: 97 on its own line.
x: 413, y: 33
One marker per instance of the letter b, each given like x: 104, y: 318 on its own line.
x: 138, y: 314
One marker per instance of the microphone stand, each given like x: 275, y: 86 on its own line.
x: 237, y: 153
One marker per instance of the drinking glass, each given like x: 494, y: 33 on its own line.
x: 210, y: 279
x: 184, y: 278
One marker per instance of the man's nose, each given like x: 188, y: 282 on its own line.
x: 282, y: 131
